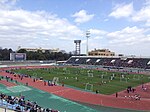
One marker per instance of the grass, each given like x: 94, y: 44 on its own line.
x: 78, y: 77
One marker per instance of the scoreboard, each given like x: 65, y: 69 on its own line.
x: 17, y: 56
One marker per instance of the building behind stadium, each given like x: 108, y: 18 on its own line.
x: 40, y: 48
x: 101, y: 52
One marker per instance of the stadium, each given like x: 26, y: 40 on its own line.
x: 82, y: 83
x: 74, y: 56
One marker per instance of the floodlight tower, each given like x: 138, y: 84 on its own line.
x: 77, y: 42
x: 87, y: 37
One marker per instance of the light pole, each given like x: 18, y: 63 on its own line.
x: 87, y: 36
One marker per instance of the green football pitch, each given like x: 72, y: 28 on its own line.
x: 89, y: 79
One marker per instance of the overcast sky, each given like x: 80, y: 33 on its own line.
x: 123, y: 26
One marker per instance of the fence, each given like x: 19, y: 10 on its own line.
x: 6, y: 107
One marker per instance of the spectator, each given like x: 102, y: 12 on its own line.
x: 18, y: 109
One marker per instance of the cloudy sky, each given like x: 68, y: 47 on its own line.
x: 123, y: 26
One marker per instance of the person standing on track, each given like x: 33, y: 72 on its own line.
x: 116, y: 94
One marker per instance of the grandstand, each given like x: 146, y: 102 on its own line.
x: 118, y: 62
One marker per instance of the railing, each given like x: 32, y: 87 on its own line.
x: 6, y: 107
x: 5, y: 110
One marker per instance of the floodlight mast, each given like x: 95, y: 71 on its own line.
x: 87, y: 37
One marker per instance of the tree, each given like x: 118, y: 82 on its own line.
x: 39, y: 55
x: 21, y: 51
x: 5, y: 54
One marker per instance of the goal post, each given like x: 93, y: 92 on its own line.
x: 89, y: 87
x: 55, y: 80
x: 90, y: 74
x: 136, y: 77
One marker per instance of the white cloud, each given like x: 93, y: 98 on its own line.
x: 98, y: 37
x: 143, y: 14
x: 5, y: 4
x: 33, y: 29
x: 82, y: 16
x: 127, y: 10
x: 97, y: 32
x: 122, y: 10
x: 127, y: 36
x: 40, y: 28
x: 127, y: 40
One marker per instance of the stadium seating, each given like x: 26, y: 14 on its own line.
x: 111, y: 61
x: 19, y: 104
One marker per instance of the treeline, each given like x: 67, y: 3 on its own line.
x: 5, y: 54
x: 39, y: 55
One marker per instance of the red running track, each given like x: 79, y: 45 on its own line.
x: 8, y: 84
x: 87, y: 97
